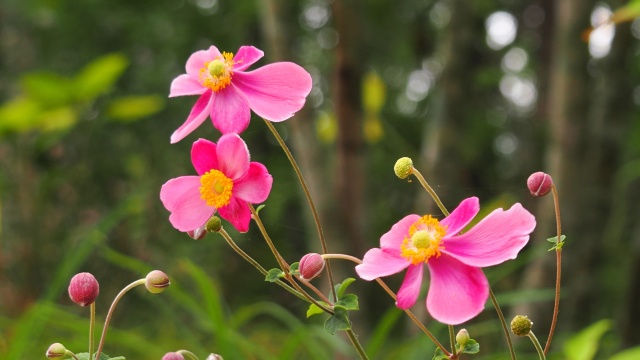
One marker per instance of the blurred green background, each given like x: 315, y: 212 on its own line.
x: 480, y: 94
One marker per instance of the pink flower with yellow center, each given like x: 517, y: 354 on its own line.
x: 226, y: 182
x: 458, y: 288
x: 228, y: 92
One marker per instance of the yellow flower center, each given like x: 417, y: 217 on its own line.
x: 216, y: 74
x: 216, y: 188
x: 424, y: 240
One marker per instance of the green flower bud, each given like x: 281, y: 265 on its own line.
x: 214, y: 224
x: 56, y: 351
x: 462, y: 337
x: 521, y: 325
x: 157, y: 282
x: 403, y: 167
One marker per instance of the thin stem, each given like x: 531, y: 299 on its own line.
x: 92, y: 325
x: 305, y: 188
x: 452, y: 339
x: 357, y: 345
x: 253, y: 262
x: 503, y: 323
x: 556, y: 302
x: 189, y: 354
x: 71, y: 354
x: 309, y: 297
x: 433, y: 194
x: 314, y: 289
x: 343, y: 257
x: 537, y: 345
x: 112, y: 309
x: 283, y: 264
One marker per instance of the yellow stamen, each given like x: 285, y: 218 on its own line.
x: 216, y: 188
x: 424, y: 240
x: 216, y: 74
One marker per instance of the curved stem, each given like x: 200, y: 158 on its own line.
x: 357, y: 345
x: 537, y: 345
x: 433, y: 194
x: 556, y: 302
x: 305, y: 188
x: 71, y: 354
x: 189, y: 354
x: 503, y: 323
x: 111, y: 310
x: 314, y: 289
x: 253, y: 262
x: 92, y: 325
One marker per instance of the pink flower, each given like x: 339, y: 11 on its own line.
x: 458, y: 288
x: 274, y: 92
x: 226, y: 182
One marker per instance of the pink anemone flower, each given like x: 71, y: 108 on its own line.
x: 227, y: 92
x: 226, y: 182
x: 458, y: 289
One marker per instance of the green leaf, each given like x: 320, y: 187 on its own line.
x: 130, y: 108
x: 439, y: 355
x: 339, y: 321
x: 349, y: 301
x: 274, y: 275
x: 97, y: 77
x: 557, y: 245
x: 315, y: 309
x: 58, y: 119
x: 293, y: 268
x: 471, y: 347
x: 19, y: 115
x: 342, y: 287
x: 47, y: 88
x: 584, y: 345
x: 103, y: 356
x: 629, y: 354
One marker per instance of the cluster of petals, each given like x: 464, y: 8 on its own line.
x: 228, y: 92
x: 227, y: 182
x: 458, y: 288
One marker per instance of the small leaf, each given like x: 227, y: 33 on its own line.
x: 274, y: 275
x: 260, y: 207
x: 99, y: 76
x: 315, y: 309
x: 342, y: 287
x: 293, y: 268
x: 103, y: 356
x: 584, y: 345
x: 130, y: 108
x: 339, y: 321
x: 349, y: 301
x: 555, y: 239
x: 49, y: 89
x: 629, y: 354
x: 439, y: 355
x: 471, y: 347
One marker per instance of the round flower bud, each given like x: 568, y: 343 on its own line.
x: 173, y: 356
x: 198, y: 233
x: 462, y: 337
x: 56, y: 351
x: 403, y: 167
x: 539, y: 184
x: 521, y: 325
x: 214, y: 224
x: 311, y: 265
x: 214, y: 357
x: 84, y: 289
x: 157, y: 282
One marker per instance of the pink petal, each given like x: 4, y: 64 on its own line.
x: 392, y: 240
x: 255, y: 186
x: 230, y: 112
x: 410, y: 289
x: 197, y: 60
x: 181, y: 196
x: 457, y: 291
x: 204, y: 156
x: 233, y: 156
x: 197, y: 116
x: 461, y: 216
x: 186, y: 85
x: 237, y: 213
x: 495, y: 239
x: 378, y: 263
x: 245, y: 57
x: 275, y: 91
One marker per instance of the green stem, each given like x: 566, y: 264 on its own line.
x: 556, y: 302
x: 503, y: 323
x: 112, y: 309
x: 189, y: 354
x: 537, y: 345
x: 253, y: 262
x: 71, y: 354
x: 357, y: 345
x: 433, y: 194
x: 283, y: 264
x: 92, y: 325
x: 452, y: 339
x: 305, y: 188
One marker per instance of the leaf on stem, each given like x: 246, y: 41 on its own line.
x: 274, y: 275
x: 339, y: 321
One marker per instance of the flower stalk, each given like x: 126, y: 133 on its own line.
x: 558, y: 247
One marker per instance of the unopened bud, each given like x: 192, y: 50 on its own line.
x: 84, y: 289
x: 311, y: 265
x: 157, y: 282
x: 214, y: 357
x: 198, y: 233
x: 539, y: 183
x: 56, y: 351
x: 403, y: 167
x: 173, y: 356
x: 214, y: 224
x: 462, y: 337
x: 521, y: 325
